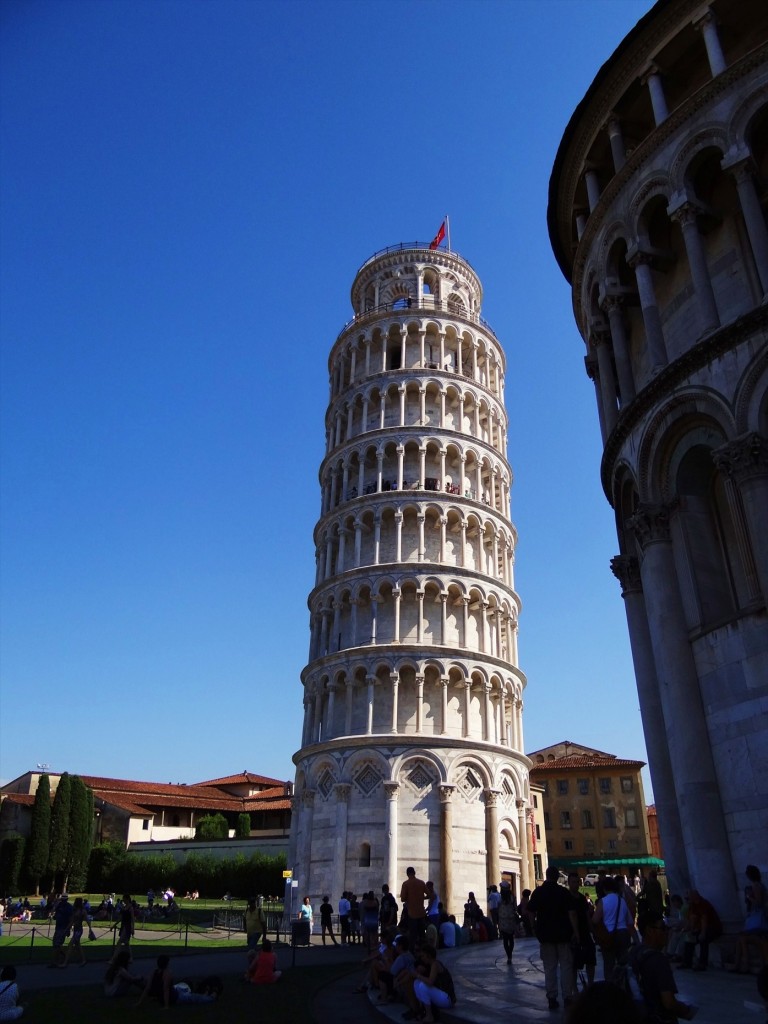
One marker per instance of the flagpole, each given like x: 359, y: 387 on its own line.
x: 448, y: 231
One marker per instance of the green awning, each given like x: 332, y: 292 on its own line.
x: 606, y: 862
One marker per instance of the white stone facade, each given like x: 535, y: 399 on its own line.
x: 412, y: 747
x: 657, y: 217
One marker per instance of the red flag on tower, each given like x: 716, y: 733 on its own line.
x: 438, y: 237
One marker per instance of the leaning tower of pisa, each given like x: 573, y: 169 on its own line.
x: 412, y: 746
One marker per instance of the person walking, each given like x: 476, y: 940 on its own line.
x: 507, y: 917
x: 326, y: 920
x: 555, y: 928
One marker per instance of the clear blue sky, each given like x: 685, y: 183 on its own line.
x: 188, y: 189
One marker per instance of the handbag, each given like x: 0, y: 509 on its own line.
x: 606, y: 939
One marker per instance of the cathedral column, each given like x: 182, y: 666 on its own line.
x: 350, y: 420
x: 465, y: 621
x: 422, y: 466
x: 593, y: 372
x: 484, y: 627
x: 370, y: 680
x: 444, y: 705
x: 394, y: 678
x: 745, y: 462
x: 443, y: 538
x: 487, y: 714
x: 443, y: 617
x: 693, y: 769
x: 398, y: 536
x: 520, y: 739
x: 467, y: 705
x: 601, y: 342
x: 353, y: 622
x: 364, y: 421
x: 422, y: 405
x: 329, y: 711
x: 419, y: 702
x: 304, y: 850
x: 397, y: 594
x: 391, y: 790
x: 526, y: 875
x: 376, y: 538
x: 652, y: 78
x: 382, y: 409
x: 420, y: 519
x: 627, y: 571
x: 707, y: 25
x: 640, y: 262
x: 341, y: 791
x: 492, y: 862
x: 400, y: 460
x: 350, y: 688
x: 612, y: 305
x: 684, y: 212
x: 446, y: 844
x: 401, y: 392
x: 420, y: 623
x: 613, y: 129
x: 739, y: 164
x: 593, y: 187
x: 379, y: 473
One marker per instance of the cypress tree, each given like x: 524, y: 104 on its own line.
x: 243, y: 828
x: 39, y: 835
x: 80, y: 834
x: 59, y: 848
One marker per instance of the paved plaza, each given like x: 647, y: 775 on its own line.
x: 487, y: 989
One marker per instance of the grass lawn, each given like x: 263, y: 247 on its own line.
x: 287, y: 1002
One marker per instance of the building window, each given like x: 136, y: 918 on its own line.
x: 609, y: 817
x: 630, y: 817
x: 535, y: 800
x: 145, y: 824
x: 537, y: 872
x: 562, y: 787
x: 365, y: 855
x: 589, y: 845
x: 583, y: 787
x: 568, y: 845
x: 565, y: 819
x: 586, y: 819
x: 538, y: 831
x: 546, y: 820
x: 612, y: 844
x: 605, y: 785
x: 626, y: 784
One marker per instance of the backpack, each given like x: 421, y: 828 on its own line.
x: 444, y: 982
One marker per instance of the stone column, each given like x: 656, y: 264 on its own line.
x: 593, y: 372
x: 627, y: 571
x: 492, y: 861
x: 329, y: 711
x: 612, y: 304
x: 443, y: 705
x: 467, y: 705
x: 420, y: 519
x: 526, y: 875
x: 685, y: 213
x: 419, y: 702
x: 400, y: 458
x: 376, y: 538
x: 613, y: 128
x: 640, y: 262
x: 739, y: 163
x: 350, y: 685
x: 394, y: 678
x: 745, y: 462
x: 446, y: 844
x: 652, y: 78
x: 398, y: 536
x: 593, y: 187
x: 706, y: 24
x: 698, y: 794
x: 304, y: 850
x: 353, y: 606
x: 391, y: 790
x: 422, y: 405
x: 401, y: 392
x: 443, y: 617
x: 601, y: 341
x: 370, y: 680
x: 487, y: 714
x: 397, y: 594
x: 341, y: 791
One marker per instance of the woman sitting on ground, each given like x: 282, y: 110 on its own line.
x: 262, y: 968
x: 433, y: 985
x: 9, y: 995
x: 118, y: 979
x: 160, y: 986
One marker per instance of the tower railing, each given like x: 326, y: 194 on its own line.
x: 407, y: 246
x: 433, y: 305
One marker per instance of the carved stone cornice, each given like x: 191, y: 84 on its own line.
x: 746, y: 458
x: 626, y: 569
x: 342, y: 791
x: 391, y: 789
x: 446, y: 792
x: 308, y: 798
x: 650, y: 525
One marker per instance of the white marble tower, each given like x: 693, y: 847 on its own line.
x: 412, y: 747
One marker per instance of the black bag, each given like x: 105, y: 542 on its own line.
x: 444, y: 982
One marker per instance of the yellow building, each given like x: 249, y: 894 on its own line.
x: 594, y: 809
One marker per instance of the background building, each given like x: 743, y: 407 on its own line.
x: 594, y: 809
x: 657, y: 217
x: 151, y: 812
x: 412, y: 749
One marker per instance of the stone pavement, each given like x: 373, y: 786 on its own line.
x: 487, y: 989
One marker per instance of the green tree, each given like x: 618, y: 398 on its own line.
x: 11, y: 863
x: 103, y: 866
x: 80, y: 834
x: 59, y: 848
x: 243, y: 827
x: 212, y: 826
x: 40, y: 835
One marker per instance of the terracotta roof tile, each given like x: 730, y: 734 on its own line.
x: 574, y: 762
x: 240, y: 779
